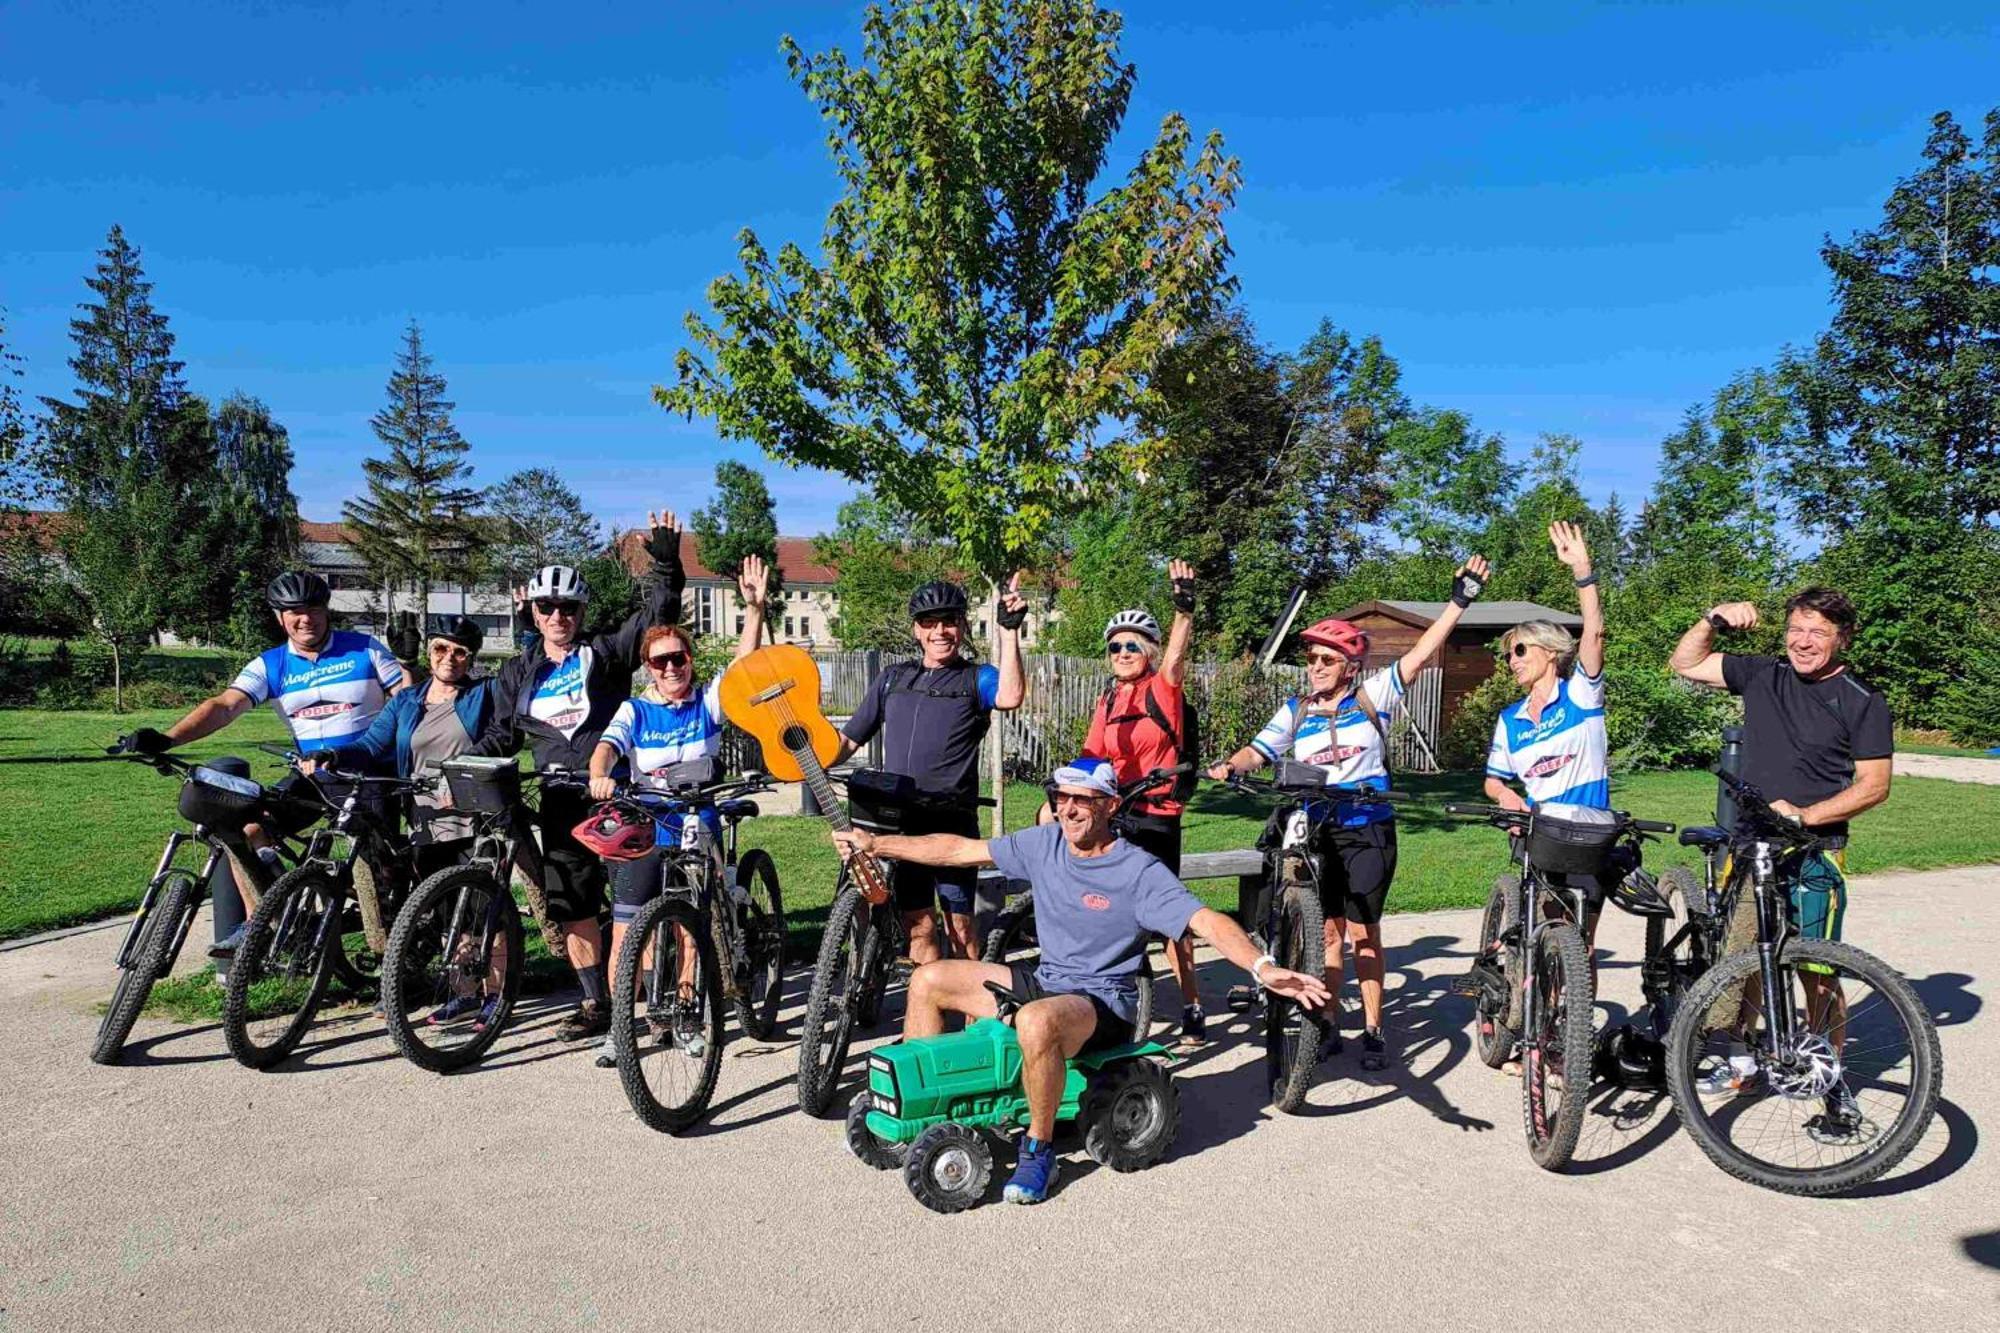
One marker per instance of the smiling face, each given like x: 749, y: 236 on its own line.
x: 670, y: 664
x: 305, y: 626
x: 1529, y: 662
x: 1130, y: 654
x: 1085, y: 815
x: 450, y: 662
x: 558, y: 621
x: 938, y: 637
x: 1326, y: 670
x: 1812, y: 642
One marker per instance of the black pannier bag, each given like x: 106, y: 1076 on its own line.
x: 220, y: 800
x: 1571, y: 839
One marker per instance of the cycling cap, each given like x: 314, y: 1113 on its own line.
x: 1344, y: 638
x: 1139, y: 620
x: 295, y: 590
x: 1088, y: 773
x: 464, y: 632
x: 617, y: 833
x: 558, y: 583
x: 937, y: 598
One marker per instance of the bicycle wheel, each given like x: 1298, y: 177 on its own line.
x: 843, y: 971
x: 1676, y: 951
x: 1851, y: 1092
x: 455, y: 949
x: 666, y: 1015
x: 1493, y: 1036
x: 1012, y: 940
x: 763, y: 922
x: 1291, y: 1036
x: 357, y: 965
x: 151, y: 956
x: 1556, y: 1052
x: 281, y: 969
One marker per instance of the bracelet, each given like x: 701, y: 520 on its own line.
x: 1587, y: 580
x: 1258, y: 966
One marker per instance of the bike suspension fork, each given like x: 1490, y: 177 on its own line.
x: 1777, y: 1016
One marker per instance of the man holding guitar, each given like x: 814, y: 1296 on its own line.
x: 933, y: 711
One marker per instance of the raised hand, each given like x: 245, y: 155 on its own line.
x: 1737, y: 615
x: 663, y: 538
x: 1013, y: 612
x: 1570, y: 548
x: 753, y: 581
x: 1469, y: 581
x: 1180, y: 574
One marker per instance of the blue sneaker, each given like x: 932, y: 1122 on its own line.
x: 457, y: 1007
x: 1034, y: 1175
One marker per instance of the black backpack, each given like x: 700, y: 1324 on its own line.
x: 1186, y: 738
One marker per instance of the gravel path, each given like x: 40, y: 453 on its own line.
x: 1957, y: 768
x: 350, y: 1190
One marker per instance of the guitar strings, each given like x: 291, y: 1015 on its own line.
x: 822, y: 788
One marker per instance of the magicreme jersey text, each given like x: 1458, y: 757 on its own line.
x: 327, y: 700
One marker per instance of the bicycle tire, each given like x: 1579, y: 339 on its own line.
x: 763, y: 923
x: 845, y: 961
x: 1290, y: 1057
x: 1493, y: 1038
x: 149, y: 963
x: 679, y: 1114
x: 1562, y: 968
x: 1665, y: 979
x: 416, y: 933
x: 1012, y: 940
x: 319, y: 892
x: 1925, y: 1079
x: 356, y: 965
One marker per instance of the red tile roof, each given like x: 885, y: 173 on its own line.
x: 41, y: 526
x: 324, y: 532
x: 795, y: 559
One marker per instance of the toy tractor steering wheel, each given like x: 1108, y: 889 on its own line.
x: 1005, y: 1002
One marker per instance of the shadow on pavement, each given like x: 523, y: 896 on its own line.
x: 1947, y: 997
x: 142, y: 1052
x: 1946, y: 1146
x: 1983, y: 1248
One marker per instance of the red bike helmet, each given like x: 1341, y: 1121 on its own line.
x: 1347, y: 639
x: 616, y: 833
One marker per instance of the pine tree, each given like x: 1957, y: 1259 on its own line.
x: 740, y: 521
x: 418, y: 525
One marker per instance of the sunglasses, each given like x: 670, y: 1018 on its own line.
x: 550, y: 607
x: 1126, y: 646
x: 662, y: 661
x: 1058, y: 799
x: 450, y: 652
x: 933, y: 622
x: 1324, y: 659
x: 1521, y: 649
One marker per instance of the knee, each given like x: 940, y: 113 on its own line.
x: 1037, y: 1029
x: 924, y: 985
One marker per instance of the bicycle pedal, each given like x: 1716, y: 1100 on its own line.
x: 1467, y: 984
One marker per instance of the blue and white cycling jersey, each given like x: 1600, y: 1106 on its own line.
x: 1346, y: 744
x: 561, y: 700
x: 328, y: 700
x: 1562, y: 755
x: 654, y: 736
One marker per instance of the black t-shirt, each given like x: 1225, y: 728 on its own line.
x: 1801, y: 737
x: 931, y: 721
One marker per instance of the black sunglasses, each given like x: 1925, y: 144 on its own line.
x: 661, y: 661
x: 1126, y: 646
x: 1521, y: 649
x: 549, y: 606
x: 932, y: 622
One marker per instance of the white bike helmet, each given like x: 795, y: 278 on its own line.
x: 1139, y: 620
x: 558, y: 583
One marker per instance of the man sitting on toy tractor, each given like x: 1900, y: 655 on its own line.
x: 1097, y: 899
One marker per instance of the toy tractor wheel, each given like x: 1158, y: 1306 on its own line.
x: 1131, y: 1112
x: 863, y: 1141
x: 948, y: 1167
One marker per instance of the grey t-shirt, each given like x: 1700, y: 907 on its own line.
x: 438, y: 736
x: 1093, y: 913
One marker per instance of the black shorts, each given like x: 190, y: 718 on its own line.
x: 1159, y: 835
x: 572, y: 875
x: 919, y: 888
x: 1356, y: 866
x: 1111, y: 1030
x: 633, y: 885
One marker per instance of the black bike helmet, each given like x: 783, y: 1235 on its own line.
x: 464, y: 632
x: 937, y: 598
x: 295, y: 590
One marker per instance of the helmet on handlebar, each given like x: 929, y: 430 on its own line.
x: 616, y: 832
x: 1344, y: 637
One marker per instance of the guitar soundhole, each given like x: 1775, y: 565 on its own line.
x: 795, y: 737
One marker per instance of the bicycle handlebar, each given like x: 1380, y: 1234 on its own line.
x: 1263, y: 787
x: 1501, y: 817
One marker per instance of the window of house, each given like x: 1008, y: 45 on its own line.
x: 739, y: 624
x: 788, y: 627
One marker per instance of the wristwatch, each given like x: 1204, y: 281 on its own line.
x: 1587, y: 579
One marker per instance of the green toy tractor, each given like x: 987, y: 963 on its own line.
x: 928, y: 1100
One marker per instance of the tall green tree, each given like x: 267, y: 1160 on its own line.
x: 15, y: 426
x: 535, y: 519
x: 1447, y: 478
x: 250, y: 530
x: 980, y: 328
x: 417, y: 525
x: 880, y: 554
x: 742, y: 520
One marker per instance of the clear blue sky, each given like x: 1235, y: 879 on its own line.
x: 1559, y: 217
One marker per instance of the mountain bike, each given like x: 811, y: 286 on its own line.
x: 860, y: 950
x: 218, y: 804
x: 452, y: 971
x: 1291, y: 924
x: 316, y: 921
x: 716, y: 932
x: 1804, y: 1066
x: 1531, y: 979
x: 1011, y: 939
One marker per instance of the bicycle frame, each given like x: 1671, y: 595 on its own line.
x: 1533, y: 885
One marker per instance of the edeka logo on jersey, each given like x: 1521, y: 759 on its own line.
x: 1335, y: 754
x: 1097, y: 902
x: 316, y: 712
x: 1542, y: 768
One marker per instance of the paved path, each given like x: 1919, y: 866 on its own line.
x: 1958, y: 768
x: 350, y: 1190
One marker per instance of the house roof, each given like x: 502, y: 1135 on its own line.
x: 795, y: 559
x: 1480, y: 615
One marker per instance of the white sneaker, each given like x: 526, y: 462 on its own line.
x: 1735, y: 1077
x: 607, y: 1057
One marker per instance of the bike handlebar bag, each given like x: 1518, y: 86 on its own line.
x: 880, y: 800
x: 220, y: 800
x: 482, y: 785
x: 1292, y: 775
x: 1571, y: 839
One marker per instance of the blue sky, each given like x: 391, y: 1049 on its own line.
x: 1558, y: 217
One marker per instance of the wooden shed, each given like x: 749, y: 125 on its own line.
x: 1467, y: 656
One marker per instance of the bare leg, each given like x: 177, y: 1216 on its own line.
x: 958, y: 928
x: 1334, y: 936
x: 953, y: 986
x: 1180, y: 957
x: 1367, y: 938
x: 584, y: 944
x: 1051, y: 1031
x: 921, y: 928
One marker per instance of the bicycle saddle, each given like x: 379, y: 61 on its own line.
x: 736, y: 809
x: 1706, y: 837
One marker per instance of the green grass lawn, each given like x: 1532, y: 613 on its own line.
x: 79, y: 840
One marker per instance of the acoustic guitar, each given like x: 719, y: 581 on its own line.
x: 774, y: 695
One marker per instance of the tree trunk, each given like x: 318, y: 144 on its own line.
x: 117, y: 679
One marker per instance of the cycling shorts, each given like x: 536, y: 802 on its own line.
x: 1158, y: 835
x: 917, y: 887
x: 572, y: 875
x: 1356, y: 866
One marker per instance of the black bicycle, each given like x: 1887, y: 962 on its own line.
x: 1291, y: 923
x: 860, y: 950
x: 218, y: 804
x: 1804, y: 1066
x: 315, y: 922
x: 1531, y: 980
x: 1012, y: 936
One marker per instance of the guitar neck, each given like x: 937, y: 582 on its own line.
x: 821, y: 786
